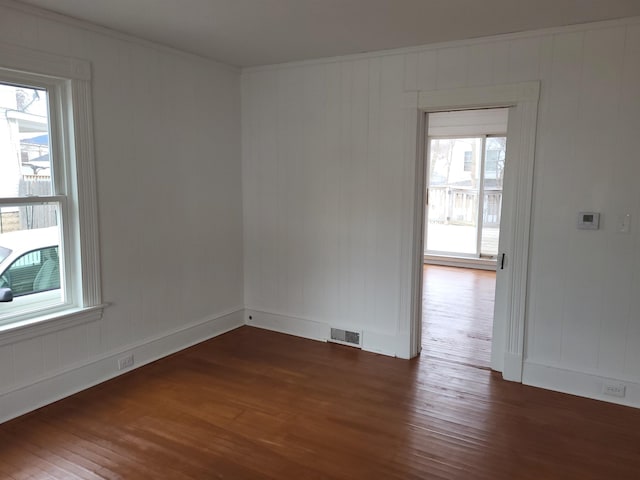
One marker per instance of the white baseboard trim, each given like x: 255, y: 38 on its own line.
x: 577, y: 383
x: 276, y: 322
x: 25, y: 398
x: 512, y: 368
x: 372, y: 341
x: 461, y: 262
x: 382, y: 343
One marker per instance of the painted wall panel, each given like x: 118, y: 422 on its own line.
x: 590, y: 185
x: 391, y: 137
x: 427, y: 70
x: 345, y: 175
x: 374, y: 185
x: 554, y: 167
x: 411, y: 72
x: 626, y: 173
x: 488, y: 63
x: 18, y: 28
x: 7, y: 372
x: 329, y: 168
x: 313, y: 231
x: 524, y: 59
x: 622, y: 192
x: 361, y: 254
x: 28, y: 359
x: 452, y: 69
x: 51, y: 351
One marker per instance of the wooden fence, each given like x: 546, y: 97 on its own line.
x: 30, y: 216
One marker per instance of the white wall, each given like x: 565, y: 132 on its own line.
x: 328, y: 162
x: 327, y: 188
x: 167, y: 136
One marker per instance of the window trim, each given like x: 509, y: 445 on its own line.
x: 71, y: 80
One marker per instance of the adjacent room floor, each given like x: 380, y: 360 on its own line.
x: 254, y: 404
x: 458, y: 314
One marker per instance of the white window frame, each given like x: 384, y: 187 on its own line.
x: 68, y: 82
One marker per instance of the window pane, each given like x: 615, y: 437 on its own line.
x: 25, y: 167
x: 454, y: 184
x: 28, y: 217
x: 31, y: 265
x: 492, y: 202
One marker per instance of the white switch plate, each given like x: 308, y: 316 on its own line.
x: 624, y: 223
x: 615, y: 389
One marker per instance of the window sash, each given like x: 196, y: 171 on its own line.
x: 57, y: 97
x: 46, y: 302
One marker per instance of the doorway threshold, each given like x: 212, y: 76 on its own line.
x: 464, y: 262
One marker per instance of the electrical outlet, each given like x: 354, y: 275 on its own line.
x: 615, y: 389
x: 125, y: 362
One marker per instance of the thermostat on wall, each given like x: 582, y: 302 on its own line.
x: 588, y: 221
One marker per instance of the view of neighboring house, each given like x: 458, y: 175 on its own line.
x: 467, y: 157
x: 24, y: 155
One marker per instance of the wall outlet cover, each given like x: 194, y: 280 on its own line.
x: 614, y: 389
x: 125, y: 362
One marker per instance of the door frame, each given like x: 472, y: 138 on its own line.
x: 507, y: 351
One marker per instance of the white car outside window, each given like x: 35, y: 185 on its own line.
x: 30, y: 264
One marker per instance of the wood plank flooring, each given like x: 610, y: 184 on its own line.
x: 458, y: 314
x: 253, y: 404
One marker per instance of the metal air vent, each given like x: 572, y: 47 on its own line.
x: 346, y: 337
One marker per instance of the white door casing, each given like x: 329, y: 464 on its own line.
x: 511, y: 281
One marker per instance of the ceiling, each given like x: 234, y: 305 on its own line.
x: 258, y: 32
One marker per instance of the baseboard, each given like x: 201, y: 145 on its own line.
x: 372, y: 341
x: 298, y: 327
x: 384, y: 344
x: 582, y: 384
x: 23, y: 399
x: 512, y: 367
x: 461, y: 262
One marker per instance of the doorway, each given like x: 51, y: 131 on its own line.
x: 511, y: 276
x: 466, y: 158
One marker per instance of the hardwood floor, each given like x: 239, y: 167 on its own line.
x: 458, y: 314
x: 253, y: 404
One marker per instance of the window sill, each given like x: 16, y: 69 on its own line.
x: 45, y: 324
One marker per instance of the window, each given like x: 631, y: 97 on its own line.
x: 48, y: 230
x: 468, y: 161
